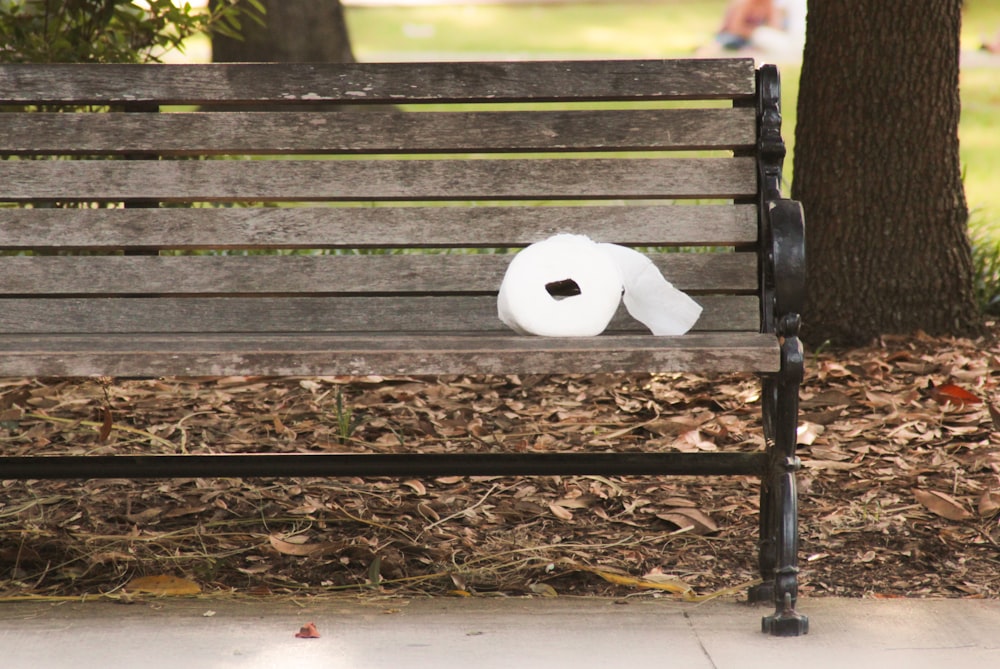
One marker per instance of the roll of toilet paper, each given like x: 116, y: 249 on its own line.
x: 536, y: 295
x: 570, y: 286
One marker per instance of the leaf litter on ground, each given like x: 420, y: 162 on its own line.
x: 900, y: 492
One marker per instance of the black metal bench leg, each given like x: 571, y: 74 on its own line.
x: 780, y: 482
x: 767, y: 558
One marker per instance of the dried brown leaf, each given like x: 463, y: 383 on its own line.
x: 543, y: 589
x: 307, y: 631
x: 296, y: 548
x: 989, y: 503
x: 163, y: 586
x: 679, y: 501
x: 692, y: 441
x: 107, y: 422
x: 416, y: 486
x: 661, y: 582
x: 826, y: 398
x: 179, y: 511
x: 994, y: 418
x: 942, y: 504
x: 808, y: 432
x: 578, y: 502
x: 560, y: 511
x: 831, y: 465
x: 690, y: 520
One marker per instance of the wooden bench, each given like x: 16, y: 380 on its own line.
x: 137, y: 253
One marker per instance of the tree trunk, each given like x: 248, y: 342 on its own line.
x: 295, y: 31
x: 877, y: 170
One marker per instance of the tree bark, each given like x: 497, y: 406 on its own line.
x: 295, y: 31
x: 878, y: 172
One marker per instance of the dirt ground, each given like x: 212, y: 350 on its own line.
x: 899, y: 494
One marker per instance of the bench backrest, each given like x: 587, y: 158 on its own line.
x: 381, y: 215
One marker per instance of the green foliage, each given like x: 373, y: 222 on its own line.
x: 110, y: 31
x: 986, y: 268
x: 346, y: 422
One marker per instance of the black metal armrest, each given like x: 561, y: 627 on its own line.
x: 788, y: 259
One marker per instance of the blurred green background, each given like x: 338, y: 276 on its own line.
x: 668, y: 28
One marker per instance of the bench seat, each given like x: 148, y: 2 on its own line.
x: 296, y: 354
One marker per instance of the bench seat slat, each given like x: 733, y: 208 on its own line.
x: 469, y: 313
x: 362, y: 274
x: 206, y: 133
x: 381, y: 227
x: 289, y: 180
x: 377, y: 82
x: 310, y: 355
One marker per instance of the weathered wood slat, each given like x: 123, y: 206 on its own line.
x: 376, y: 82
x: 308, y: 355
x: 287, y: 180
x: 475, y: 313
x: 373, y: 227
x: 208, y: 133
x: 360, y: 274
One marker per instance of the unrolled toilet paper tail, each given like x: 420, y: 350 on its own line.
x: 651, y: 299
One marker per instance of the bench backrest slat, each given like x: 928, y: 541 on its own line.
x: 212, y: 133
x: 393, y: 83
x: 335, y: 180
x: 357, y: 274
x: 453, y: 313
x: 370, y: 227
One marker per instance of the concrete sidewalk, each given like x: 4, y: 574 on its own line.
x: 486, y: 632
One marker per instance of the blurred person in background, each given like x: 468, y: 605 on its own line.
x: 769, y: 27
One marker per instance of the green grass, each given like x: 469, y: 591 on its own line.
x: 669, y: 29
x: 979, y: 136
x: 980, y: 21
x: 534, y: 31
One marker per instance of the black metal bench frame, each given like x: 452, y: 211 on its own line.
x: 780, y: 257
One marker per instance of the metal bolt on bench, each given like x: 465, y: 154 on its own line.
x: 111, y: 288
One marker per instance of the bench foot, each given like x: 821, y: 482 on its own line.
x: 786, y: 621
x: 780, y: 586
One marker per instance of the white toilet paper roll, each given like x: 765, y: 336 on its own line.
x: 527, y: 306
x: 533, y: 298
